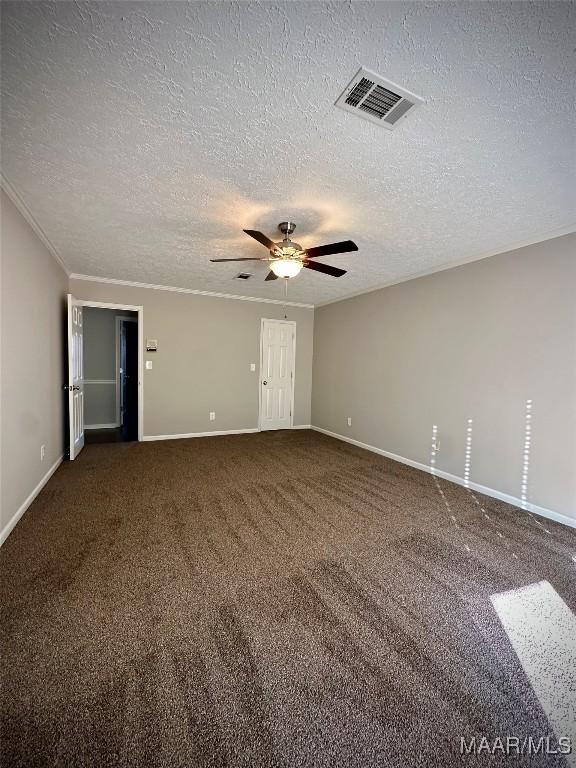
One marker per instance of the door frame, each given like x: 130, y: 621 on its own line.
x: 75, y: 317
x: 119, y: 319
x: 140, y: 319
x: 284, y: 322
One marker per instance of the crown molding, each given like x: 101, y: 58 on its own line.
x: 213, y: 294
x: 550, y: 235
x: 16, y: 198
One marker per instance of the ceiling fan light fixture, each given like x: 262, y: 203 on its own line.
x: 287, y: 258
x: 286, y: 267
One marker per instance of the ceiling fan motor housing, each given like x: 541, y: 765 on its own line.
x: 287, y: 249
x: 287, y: 227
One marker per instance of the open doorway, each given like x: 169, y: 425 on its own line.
x: 110, y: 357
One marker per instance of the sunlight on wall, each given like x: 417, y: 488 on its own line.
x: 434, y: 448
x: 477, y: 501
x: 468, y: 453
x: 526, y: 454
x: 542, y: 631
x: 524, y: 485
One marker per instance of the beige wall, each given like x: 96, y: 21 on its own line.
x: 472, y: 342
x: 205, y: 347
x: 32, y: 348
x: 475, y: 342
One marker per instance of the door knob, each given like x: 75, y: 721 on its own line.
x: 264, y: 382
x: 75, y: 388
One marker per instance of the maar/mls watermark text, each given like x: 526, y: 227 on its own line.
x: 514, y: 745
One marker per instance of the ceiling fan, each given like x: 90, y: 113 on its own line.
x: 287, y: 258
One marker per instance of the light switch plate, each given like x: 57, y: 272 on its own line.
x: 252, y: 366
x: 148, y: 365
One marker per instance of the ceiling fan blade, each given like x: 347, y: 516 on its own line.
x: 239, y: 259
x: 261, y: 238
x: 271, y: 276
x: 325, y: 268
x: 345, y: 246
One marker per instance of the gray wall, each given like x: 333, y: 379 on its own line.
x: 205, y: 347
x: 99, y: 333
x: 475, y: 342
x: 32, y: 347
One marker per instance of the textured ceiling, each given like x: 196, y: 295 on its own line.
x: 143, y: 137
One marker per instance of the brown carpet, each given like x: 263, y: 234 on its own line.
x: 276, y: 599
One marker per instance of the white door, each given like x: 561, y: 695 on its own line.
x: 277, y: 354
x: 75, y: 377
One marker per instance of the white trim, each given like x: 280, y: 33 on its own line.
x: 141, y: 373
x: 16, y: 198
x: 500, y: 495
x: 24, y: 506
x: 139, y: 309
x: 250, y: 431
x: 550, y: 235
x: 19, y: 203
x: 284, y: 322
x: 213, y: 294
x: 108, y: 305
x: 569, y: 230
x: 99, y: 381
x: 101, y: 426
x: 75, y: 377
x: 200, y: 434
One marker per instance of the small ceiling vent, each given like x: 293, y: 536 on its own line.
x: 243, y: 276
x: 382, y: 102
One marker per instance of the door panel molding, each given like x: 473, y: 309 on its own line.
x: 75, y: 379
x: 277, y: 366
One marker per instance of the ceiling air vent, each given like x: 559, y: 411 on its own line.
x: 243, y: 276
x: 370, y: 96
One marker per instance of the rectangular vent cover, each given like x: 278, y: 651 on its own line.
x: 243, y: 276
x: 382, y: 102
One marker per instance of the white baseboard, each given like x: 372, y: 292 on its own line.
x: 101, y: 426
x: 500, y: 495
x: 200, y: 434
x: 6, y: 531
x: 187, y: 435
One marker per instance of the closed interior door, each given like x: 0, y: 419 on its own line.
x: 277, y: 354
x: 75, y: 378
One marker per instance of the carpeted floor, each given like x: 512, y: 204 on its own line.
x: 274, y: 599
